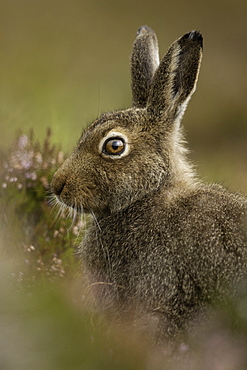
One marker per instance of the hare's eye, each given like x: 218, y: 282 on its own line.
x: 114, y: 146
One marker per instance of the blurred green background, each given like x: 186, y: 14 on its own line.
x: 65, y: 62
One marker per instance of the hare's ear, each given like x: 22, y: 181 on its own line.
x: 144, y: 62
x: 175, y: 80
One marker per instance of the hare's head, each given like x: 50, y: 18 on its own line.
x: 125, y: 155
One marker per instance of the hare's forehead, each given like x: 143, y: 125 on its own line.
x: 107, y: 129
x: 127, y: 119
x: 125, y: 123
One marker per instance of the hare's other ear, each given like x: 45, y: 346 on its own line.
x: 144, y: 62
x: 175, y: 80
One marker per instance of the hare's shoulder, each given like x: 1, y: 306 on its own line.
x: 206, y: 201
x: 207, y: 212
x: 214, y: 198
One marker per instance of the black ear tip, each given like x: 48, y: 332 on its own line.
x: 194, y: 36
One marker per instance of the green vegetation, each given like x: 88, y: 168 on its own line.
x: 27, y: 219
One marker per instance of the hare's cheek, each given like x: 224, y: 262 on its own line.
x: 78, y: 199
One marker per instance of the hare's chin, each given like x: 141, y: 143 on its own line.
x: 69, y: 207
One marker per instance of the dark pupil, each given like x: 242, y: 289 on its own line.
x: 116, y: 144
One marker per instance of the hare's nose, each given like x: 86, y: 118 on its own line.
x: 57, y: 184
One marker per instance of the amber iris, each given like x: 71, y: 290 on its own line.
x: 114, y: 146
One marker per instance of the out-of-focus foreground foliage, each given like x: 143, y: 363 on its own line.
x: 27, y: 221
x: 45, y: 319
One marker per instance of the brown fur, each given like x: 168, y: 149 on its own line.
x: 162, y: 244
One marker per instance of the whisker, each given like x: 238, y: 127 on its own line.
x: 76, y: 213
x: 57, y: 208
x: 106, y: 283
x: 104, y: 248
x: 73, y: 213
x: 83, y: 219
x: 95, y: 219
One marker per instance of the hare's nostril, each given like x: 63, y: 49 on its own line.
x: 57, y: 185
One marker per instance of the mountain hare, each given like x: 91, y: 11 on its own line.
x: 161, y: 244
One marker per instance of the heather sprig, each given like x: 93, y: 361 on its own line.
x: 45, y: 241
